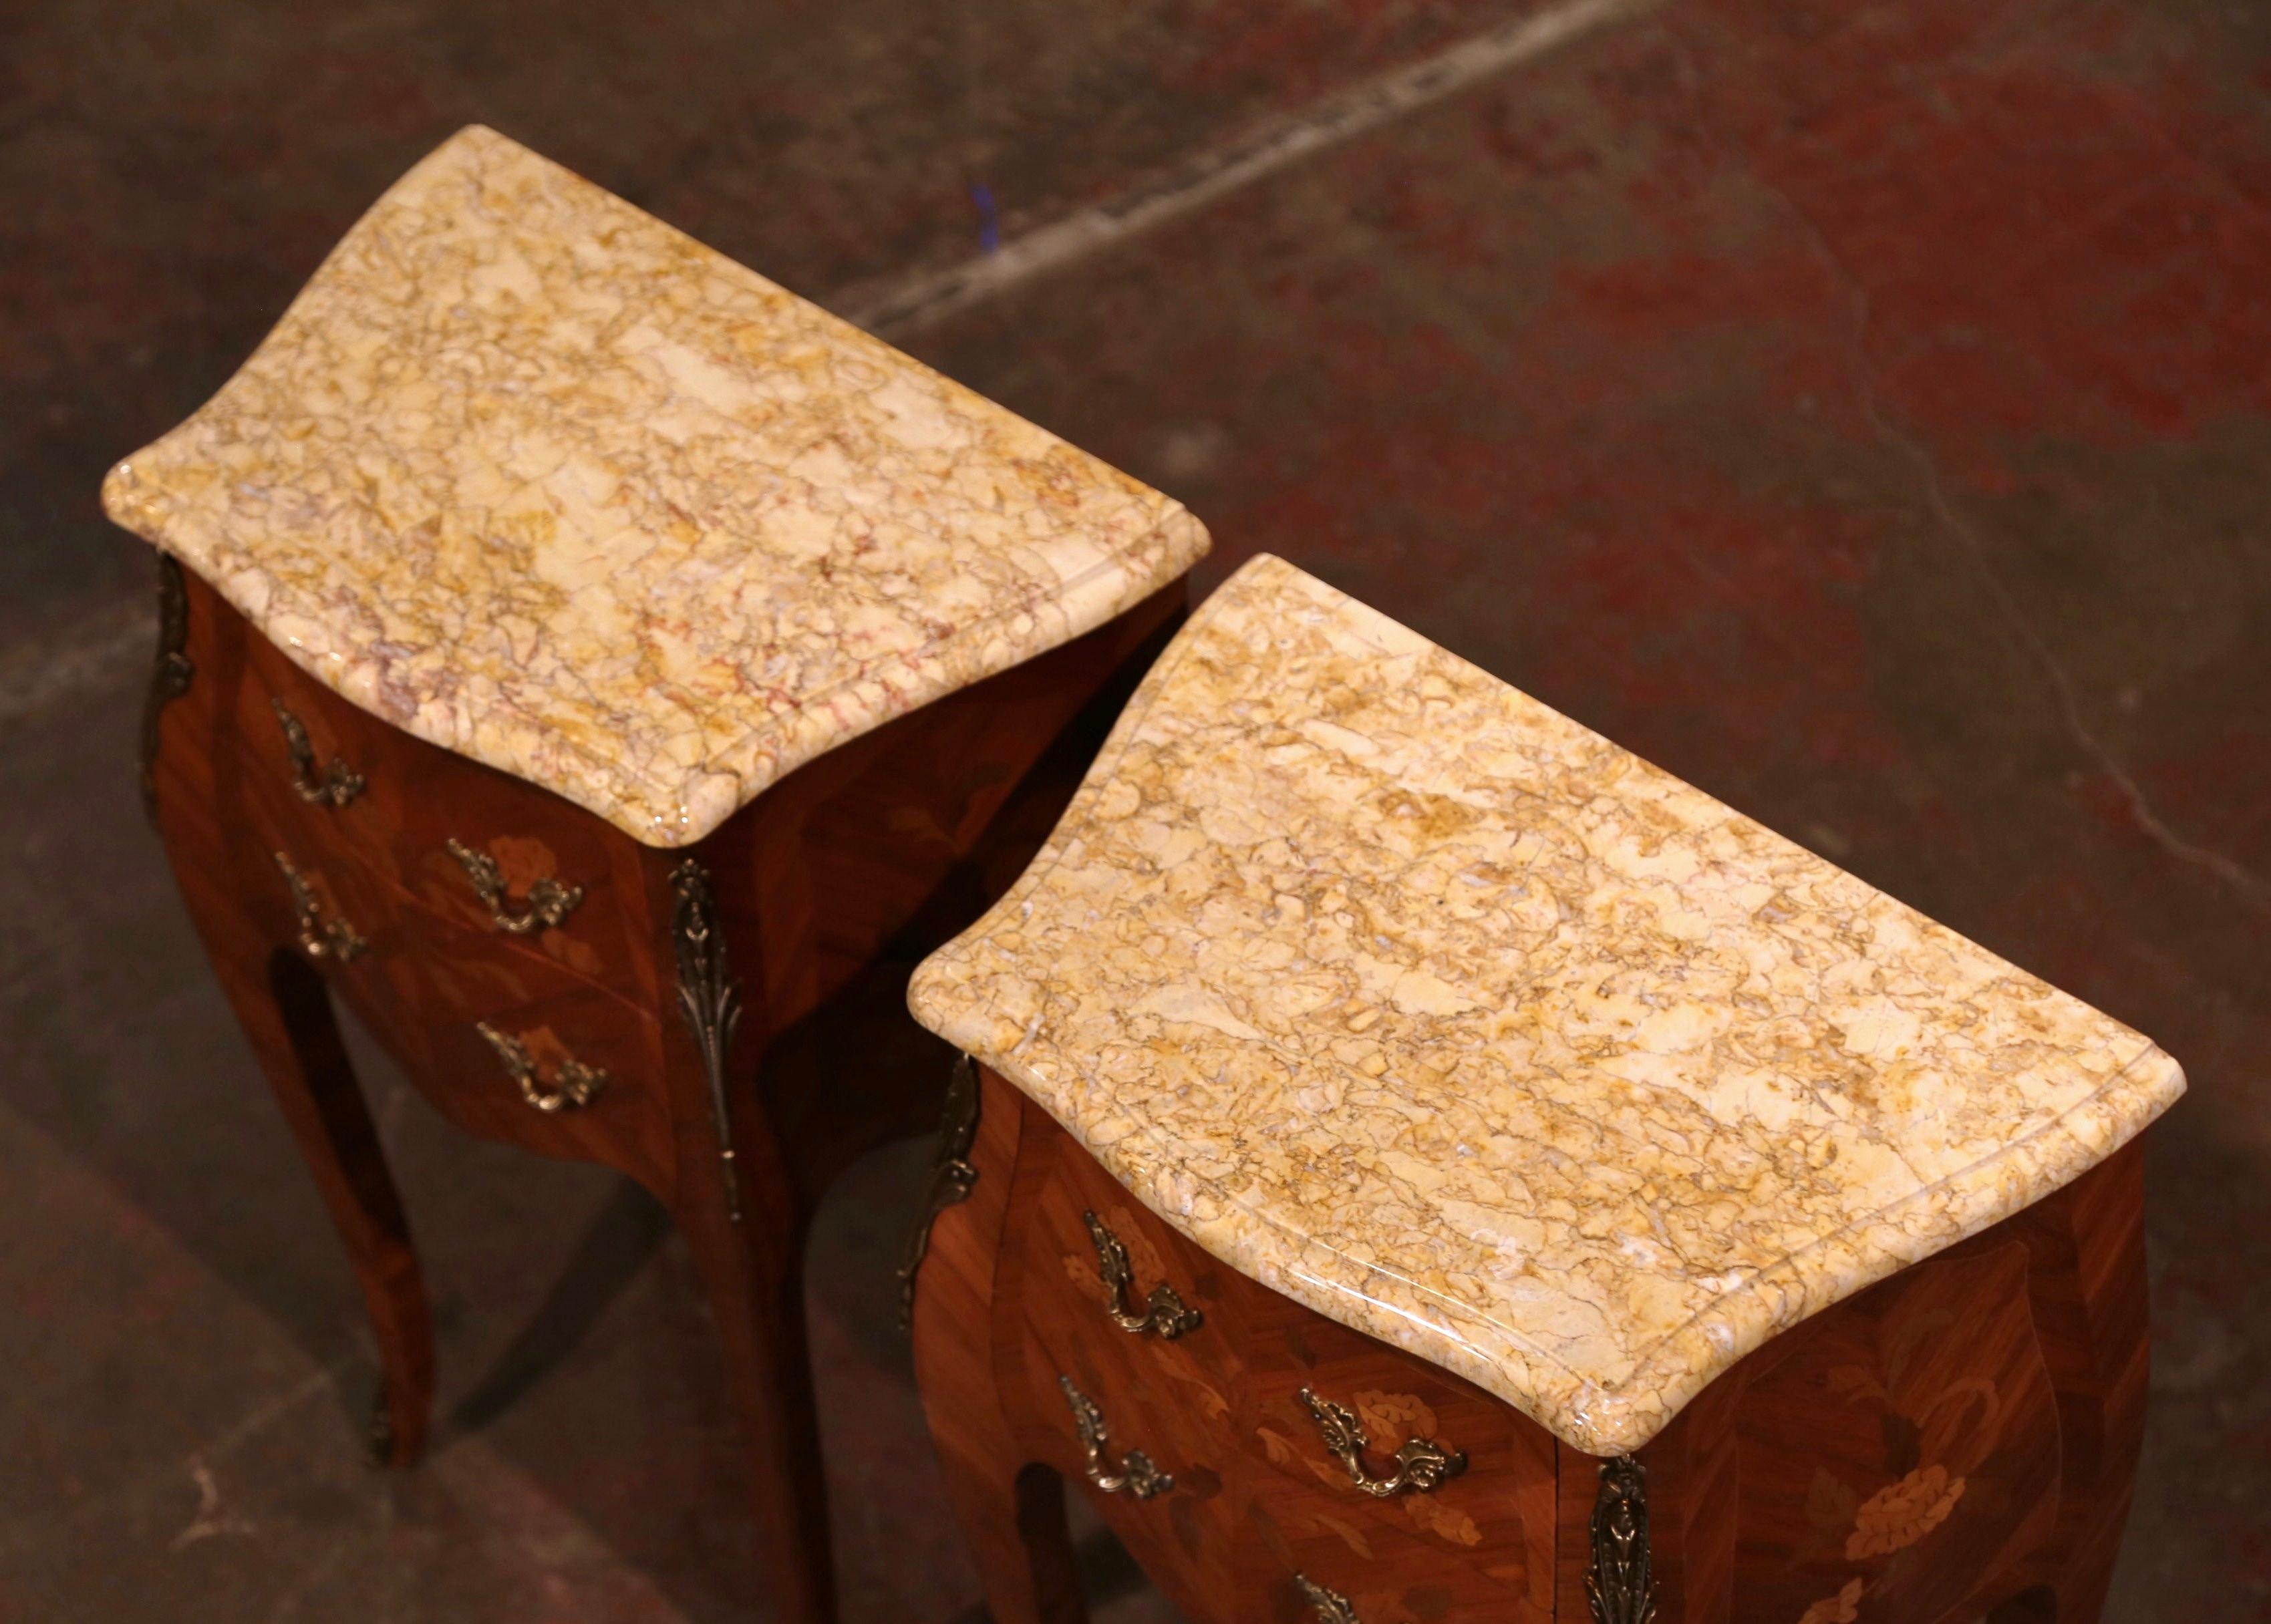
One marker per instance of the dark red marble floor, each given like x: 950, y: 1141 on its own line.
x: 1863, y: 410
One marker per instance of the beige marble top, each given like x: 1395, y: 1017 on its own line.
x: 1424, y: 1005
x: 544, y: 481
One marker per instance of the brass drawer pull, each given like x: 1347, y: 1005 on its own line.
x: 549, y: 901
x: 574, y: 1083
x: 323, y: 938
x: 1165, y: 1316
x: 1421, y: 1465
x: 1136, y: 1476
x: 337, y: 783
x: 1331, y: 1606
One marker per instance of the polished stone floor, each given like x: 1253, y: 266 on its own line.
x: 1861, y: 409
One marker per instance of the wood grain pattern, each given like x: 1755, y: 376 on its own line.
x: 1954, y: 1443
x: 829, y: 888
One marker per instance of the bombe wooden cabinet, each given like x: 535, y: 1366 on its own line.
x: 605, y: 674
x: 1422, y: 1165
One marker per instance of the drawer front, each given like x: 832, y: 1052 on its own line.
x: 1386, y: 1480
x: 1458, y: 1521
x: 294, y: 762
x: 1168, y: 1396
x: 521, y: 1051
x: 477, y: 847
x: 1110, y: 1277
x: 350, y: 927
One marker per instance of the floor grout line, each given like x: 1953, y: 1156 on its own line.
x: 1210, y: 173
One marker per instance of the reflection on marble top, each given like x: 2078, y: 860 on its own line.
x: 1433, y: 1009
x: 544, y: 481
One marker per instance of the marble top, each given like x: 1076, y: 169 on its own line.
x: 544, y: 481
x: 1424, y: 1005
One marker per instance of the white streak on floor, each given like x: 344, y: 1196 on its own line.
x: 1213, y: 172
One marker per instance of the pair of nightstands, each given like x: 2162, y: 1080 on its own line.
x: 1420, y: 1165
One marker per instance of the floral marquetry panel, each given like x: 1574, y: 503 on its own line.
x: 1900, y: 1452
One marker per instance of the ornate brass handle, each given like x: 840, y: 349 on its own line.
x: 337, y: 783
x: 574, y: 1083
x: 1165, y: 1315
x: 549, y: 901
x: 331, y: 938
x: 1136, y: 1476
x: 1421, y: 1465
x: 1331, y: 1606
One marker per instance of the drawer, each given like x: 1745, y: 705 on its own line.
x: 1168, y: 1398
x: 350, y: 926
x: 307, y: 760
x: 1477, y: 1544
x: 1161, y: 1318
x: 477, y: 847
x: 522, y: 1051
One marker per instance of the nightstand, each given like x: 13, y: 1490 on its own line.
x: 1423, y: 1165
x: 606, y: 674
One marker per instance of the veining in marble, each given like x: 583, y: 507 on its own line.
x: 1421, y: 1003
x: 545, y: 481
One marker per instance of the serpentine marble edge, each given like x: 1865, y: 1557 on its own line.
x: 544, y: 481
x: 1420, y: 1004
